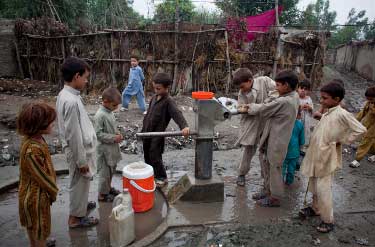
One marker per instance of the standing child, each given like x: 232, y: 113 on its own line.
x: 135, y: 86
x: 251, y: 91
x: 367, y: 117
x: 108, y: 149
x: 324, y: 155
x: 307, y: 107
x: 78, y: 138
x: 162, y: 109
x: 37, y: 186
x: 297, y: 140
x: 278, y: 119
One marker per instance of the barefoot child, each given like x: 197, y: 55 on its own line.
x: 278, y: 119
x: 367, y: 117
x: 162, y: 109
x: 108, y: 150
x: 78, y: 138
x: 307, y: 107
x: 37, y: 184
x: 297, y: 140
x: 251, y: 91
x: 324, y: 155
x: 135, y: 86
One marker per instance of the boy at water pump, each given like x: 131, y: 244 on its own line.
x: 251, y: 91
x: 278, y: 117
x: 161, y: 110
x: 108, y: 149
x: 324, y: 155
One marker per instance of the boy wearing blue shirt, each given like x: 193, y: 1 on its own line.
x: 297, y: 140
x: 135, y: 86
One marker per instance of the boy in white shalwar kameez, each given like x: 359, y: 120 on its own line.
x: 278, y: 117
x: 251, y: 91
x: 78, y: 138
x: 324, y: 155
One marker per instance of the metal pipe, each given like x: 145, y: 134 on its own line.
x: 163, y: 134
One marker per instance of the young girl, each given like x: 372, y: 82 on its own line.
x: 306, y: 106
x: 37, y: 184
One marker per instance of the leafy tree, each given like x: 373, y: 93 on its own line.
x: 166, y: 11
x: 241, y: 8
x: 357, y: 22
x: 370, y: 31
x: 318, y: 16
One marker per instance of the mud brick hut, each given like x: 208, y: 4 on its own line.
x: 199, y: 57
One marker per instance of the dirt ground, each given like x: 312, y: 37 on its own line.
x: 355, y: 215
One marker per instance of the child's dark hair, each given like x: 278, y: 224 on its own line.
x: 305, y: 84
x: 134, y: 56
x: 287, y: 77
x: 162, y: 79
x: 339, y: 81
x: 112, y: 95
x: 72, y: 66
x: 34, y: 118
x: 370, y: 92
x: 242, y: 75
x: 334, y: 89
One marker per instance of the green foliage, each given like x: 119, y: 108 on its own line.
x: 241, y: 8
x: 347, y: 33
x: 318, y: 16
x: 370, y: 31
x: 166, y: 11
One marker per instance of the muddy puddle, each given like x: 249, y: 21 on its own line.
x: 12, y: 234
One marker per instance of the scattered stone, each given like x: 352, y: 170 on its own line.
x: 354, y: 164
x: 4, y: 140
x: 362, y: 241
x: 316, y: 241
x: 371, y: 158
x: 230, y: 195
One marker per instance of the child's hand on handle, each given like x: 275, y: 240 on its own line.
x: 84, y: 169
x: 243, y: 108
x: 118, y: 138
x: 186, y: 132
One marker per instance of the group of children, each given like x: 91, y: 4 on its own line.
x: 280, y: 125
x: 85, y: 145
x: 270, y: 109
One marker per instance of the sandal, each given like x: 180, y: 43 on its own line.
x: 307, y: 212
x: 325, y: 227
x: 106, y: 198
x: 241, y: 181
x: 269, y: 202
x: 85, y: 222
x: 259, y: 195
x: 114, y: 192
x: 161, y: 183
x: 50, y: 242
x: 91, y: 205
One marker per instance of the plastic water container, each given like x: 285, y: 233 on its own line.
x: 121, y: 221
x: 138, y: 178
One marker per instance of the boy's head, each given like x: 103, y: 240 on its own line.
x: 331, y: 94
x: 75, y: 72
x: 35, y: 119
x: 134, y: 60
x: 370, y: 95
x: 243, y: 78
x: 161, y: 83
x: 111, y: 98
x: 286, y: 82
x: 304, y: 88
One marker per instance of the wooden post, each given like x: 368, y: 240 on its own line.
x: 313, y: 67
x: 229, y: 79
x: 19, y: 59
x: 28, y: 58
x: 61, y: 84
x: 113, y: 67
x: 176, y: 50
x: 278, y: 46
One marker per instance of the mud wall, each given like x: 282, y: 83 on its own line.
x: 358, y: 57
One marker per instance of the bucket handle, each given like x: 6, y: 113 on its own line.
x: 135, y: 185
